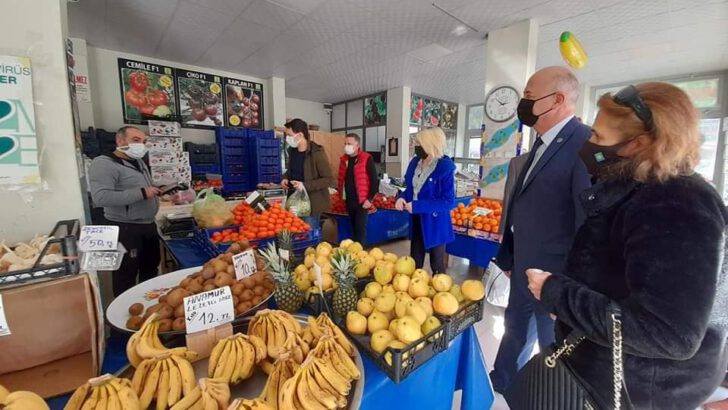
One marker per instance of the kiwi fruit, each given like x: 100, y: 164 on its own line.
x: 136, y: 309
x: 259, y: 277
x: 154, y: 308
x: 209, y: 282
x: 166, y: 311
x: 165, y: 325
x: 231, y: 269
x: 256, y: 300
x: 185, y: 282
x: 243, y: 307
x: 134, y: 323
x: 247, y: 295
x: 223, y: 279
x: 244, y: 244
x: 163, y: 299
x: 237, y: 289
x: 259, y: 290
x: 195, y: 287
x: 248, y: 282
x: 195, y: 275
x: 178, y: 324
x: 208, y: 287
x: 208, y: 273
x: 234, y: 248
x: 236, y: 300
x: 219, y: 266
x: 179, y: 311
x: 174, y: 298
x: 227, y: 258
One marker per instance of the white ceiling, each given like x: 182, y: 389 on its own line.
x: 333, y: 50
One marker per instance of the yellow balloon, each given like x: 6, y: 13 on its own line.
x: 572, y: 51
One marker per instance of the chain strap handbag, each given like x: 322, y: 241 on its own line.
x: 547, y: 382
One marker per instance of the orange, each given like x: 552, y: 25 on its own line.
x: 486, y: 228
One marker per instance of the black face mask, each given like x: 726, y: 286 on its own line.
x: 598, y: 157
x: 525, y: 110
x: 420, y: 152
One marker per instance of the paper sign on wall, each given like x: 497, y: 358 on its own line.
x: 4, y: 328
x: 208, y: 309
x: 98, y: 238
x: 244, y: 264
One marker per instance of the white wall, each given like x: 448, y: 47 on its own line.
x: 310, y: 111
x: 106, y: 92
x: 37, y: 29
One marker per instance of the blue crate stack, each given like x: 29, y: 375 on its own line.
x: 265, y: 157
x: 234, y: 147
x: 203, y: 158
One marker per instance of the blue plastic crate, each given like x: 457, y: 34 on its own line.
x: 230, y: 132
x: 268, y: 152
x: 235, y: 169
x: 233, y: 150
x: 234, y: 160
x: 205, y: 168
x: 269, y: 178
x: 237, y: 188
x: 269, y: 160
x: 260, y: 134
x: 237, y: 178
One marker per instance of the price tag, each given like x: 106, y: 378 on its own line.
x: 257, y: 202
x: 285, y: 254
x: 98, y: 238
x: 480, y: 211
x: 101, y: 260
x: 319, y: 279
x: 244, y: 264
x: 209, y: 309
x: 4, y: 328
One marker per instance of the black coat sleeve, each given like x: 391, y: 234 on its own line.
x: 672, y: 253
x: 373, y: 179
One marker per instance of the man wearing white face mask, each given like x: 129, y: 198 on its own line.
x: 122, y: 184
x: 358, y: 183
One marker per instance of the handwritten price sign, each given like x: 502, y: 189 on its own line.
x: 209, y: 309
x: 244, y: 264
x: 98, y: 238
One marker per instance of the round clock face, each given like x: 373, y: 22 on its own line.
x: 501, y: 104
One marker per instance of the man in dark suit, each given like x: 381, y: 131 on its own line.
x: 543, y: 211
x: 515, y: 167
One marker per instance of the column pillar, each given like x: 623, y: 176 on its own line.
x: 278, y: 102
x: 398, y: 102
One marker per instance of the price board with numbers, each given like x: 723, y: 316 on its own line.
x: 98, y: 238
x: 209, y: 309
x: 244, y: 263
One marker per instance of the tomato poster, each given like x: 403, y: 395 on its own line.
x: 416, y: 104
x: 243, y: 103
x: 432, y: 113
x: 200, y: 99
x: 147, y: 91
x: 375, y: 110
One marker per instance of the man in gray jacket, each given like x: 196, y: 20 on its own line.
x: 122, y: 184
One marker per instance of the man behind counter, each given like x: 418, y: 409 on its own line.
x: 358, y: 183
x: 122, y: 184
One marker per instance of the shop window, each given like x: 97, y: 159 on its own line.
x: 474, y: 147
x: 475, y: 117
x: 354, y: 113
x: 338, y: 117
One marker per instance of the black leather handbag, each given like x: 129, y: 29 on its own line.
x: 547, y: 382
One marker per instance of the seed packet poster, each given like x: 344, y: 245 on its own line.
x: 200, y: 99
x: 147, y: 92
x: 243, y: 103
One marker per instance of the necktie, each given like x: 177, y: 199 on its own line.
x: 531, y: 156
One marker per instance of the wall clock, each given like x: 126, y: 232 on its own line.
x: 501, y: 103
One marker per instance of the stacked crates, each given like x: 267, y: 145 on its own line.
x: 203, y: 158
x: 234, y: 148
x: 265, y: 157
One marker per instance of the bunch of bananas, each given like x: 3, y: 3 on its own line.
x: 272, y: 326
x: 323, y: 326
x: 102, y: 393
x: 283, y: 369
x: 331, y: 352
x: 296, y: 347
x: 166, y: 378
x: 21, y: 400
x: 315, y: 385
x: 257, y: 404
x: 145, y: 344
x: 210, y: 394
x: 233, y: 358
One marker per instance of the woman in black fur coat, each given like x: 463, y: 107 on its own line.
x: 653, y: 243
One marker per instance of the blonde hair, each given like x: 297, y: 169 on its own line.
x: 674, y: 147
x: 432, y: 141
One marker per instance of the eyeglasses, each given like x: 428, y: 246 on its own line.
x: 629, y: 96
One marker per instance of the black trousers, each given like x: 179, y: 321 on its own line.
x: 359, y: 218
x: 418, y: 251
x: 142, y: 255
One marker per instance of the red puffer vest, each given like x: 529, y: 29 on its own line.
x: 361, y: 178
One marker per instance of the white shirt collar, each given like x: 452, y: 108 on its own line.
x: 551, y: 134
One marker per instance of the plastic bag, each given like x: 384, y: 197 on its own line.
x: 497, y: 286
x: 211, y: 211
x: 299, y: 203
x: 183, y: 197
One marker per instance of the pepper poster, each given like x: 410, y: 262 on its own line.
x: 200, y: 99
x: 18, y: 143
x: 243, y: 103
x: 147, y: 91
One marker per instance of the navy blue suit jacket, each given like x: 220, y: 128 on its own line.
x: 546, y: 212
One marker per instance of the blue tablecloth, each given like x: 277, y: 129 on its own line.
x: 479, y: 251
x: 382, y: 226
x: 460, y: 367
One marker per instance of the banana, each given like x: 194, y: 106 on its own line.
x: 113, y: 397
x: 347, y: 360
x: 24, y: 400
x: 237, y: 369
x: 137, y: 381
x: 131, y: 350
x: 91, y: 401
x: 270, y: 390
x: 271, y: 342
x: 324, y: 383
x: 266, y: 366
x: 219, y: 390
x: 175, y: 383
x: 163, y: 389
x: 287, y: 394
x: 103, y: 402
x: 260, y: 351
x: 231, y: 363
x: 3, y: 393
x: 337, y: 381
x: 187, y: 372
x: 127, y: 396
x: 189, y: 400
x: 340, y: 367
x: 324, y: 397
x: 248, y: 358
x: 150, y: 385
x: 77, y: 398
x: 208, y: 401
x: 222, y: 360
x: 215, y: 356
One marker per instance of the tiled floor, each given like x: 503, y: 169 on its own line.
x: 490, y: 329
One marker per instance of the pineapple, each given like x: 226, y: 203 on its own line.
x: 287, y: 295
x: 285, y: 245
x: 345, y: 296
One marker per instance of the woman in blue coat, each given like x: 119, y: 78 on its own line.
x: 429, y: 196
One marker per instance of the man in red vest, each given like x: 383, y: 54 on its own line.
x: 358, y: 183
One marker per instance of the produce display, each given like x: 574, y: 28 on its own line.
x: 24, y: 255
x: 145, y: 343
x: 287, y: 295
x: 266, y: 224
x: 218, y: 272
x: 480, y: 214
x: 208, y: 394
x: 244, y: 103
x: 382, y: 201
x: 200, y: 99
x: 163, y: 379
x: 200, y: 184
x: 148, y: 91
x: 21, y: 400
x: 338, y: 204
x: 105, y: 392
x: 234, y: 358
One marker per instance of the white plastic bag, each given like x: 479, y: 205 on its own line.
x: 497, y: 286
x: 299, y: 203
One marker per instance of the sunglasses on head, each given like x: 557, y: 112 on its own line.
x: 629, y: 96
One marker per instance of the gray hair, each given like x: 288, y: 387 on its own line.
x: 121, y: 132
x: 566, y: 82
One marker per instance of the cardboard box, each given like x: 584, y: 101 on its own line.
x: 56, y: 341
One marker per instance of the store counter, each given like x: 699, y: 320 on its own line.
x: 382, y: 226
x: 478, y: 251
